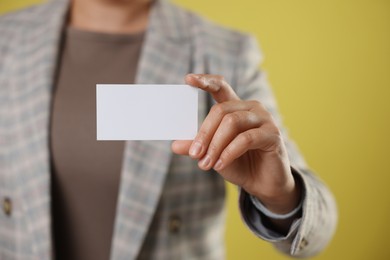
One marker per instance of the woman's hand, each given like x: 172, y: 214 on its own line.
x: 241, y: 141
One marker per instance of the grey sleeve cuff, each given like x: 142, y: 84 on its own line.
x: 271, y: 215
x: 255, y: 221
x: 307, y: 235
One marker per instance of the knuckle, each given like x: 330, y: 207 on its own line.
x: 247, y: 138
x: 275, y: 141
x: 268, y: 116
x: 231, y: 119
x: 202, y: 135
x: 257, y: 104
x: 279, y: 140
x: 213, y: 149
x: 273, y: 129
x: 219, y: 109
x: 220, y: 78
x: 220, y: 81
x: 277, y: 144
x: 276, y: 138
x: 227, y: 154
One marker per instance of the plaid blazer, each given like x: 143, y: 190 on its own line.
x: 167, y: 208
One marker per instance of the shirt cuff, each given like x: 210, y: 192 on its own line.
x: 260, y: 207
x: 255, y: 220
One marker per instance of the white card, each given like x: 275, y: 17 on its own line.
x: 146, y: 112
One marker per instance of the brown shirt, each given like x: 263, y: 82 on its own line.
x: 86, y: 172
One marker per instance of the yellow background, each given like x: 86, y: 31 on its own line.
x: 329, y: 64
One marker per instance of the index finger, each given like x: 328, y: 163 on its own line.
x: 214, y: 84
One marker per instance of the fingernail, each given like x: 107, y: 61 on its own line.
x: 195, y: 149
x: 205, y: 161
x: 218, y: 165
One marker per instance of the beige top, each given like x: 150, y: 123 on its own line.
x: 86, y: 172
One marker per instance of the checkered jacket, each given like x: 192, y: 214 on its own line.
x: 160, y: 192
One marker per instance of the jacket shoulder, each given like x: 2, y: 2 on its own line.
x: 30, y: 16
x: 14, y: 25
x: 225, y: 50
x: 222, y: 37
x: 12, y: 28
x: 197, y: 26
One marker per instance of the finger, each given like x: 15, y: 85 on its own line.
x: 214, y: 84
x: 181, y: 146
x: 257, y: 138
x: 232, y: 124
x: 211, y: 123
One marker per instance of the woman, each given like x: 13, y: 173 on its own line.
x: 67, y: 196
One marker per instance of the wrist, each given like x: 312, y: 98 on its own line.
x: 283, y: 201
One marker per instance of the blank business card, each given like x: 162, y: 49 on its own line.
x: 146, y: 112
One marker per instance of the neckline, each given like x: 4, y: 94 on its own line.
x: 84, y: 35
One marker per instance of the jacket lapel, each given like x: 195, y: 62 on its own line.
x: 165, y: 59
x: 31, y: 86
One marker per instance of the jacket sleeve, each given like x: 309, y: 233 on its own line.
x: 312, y: 232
